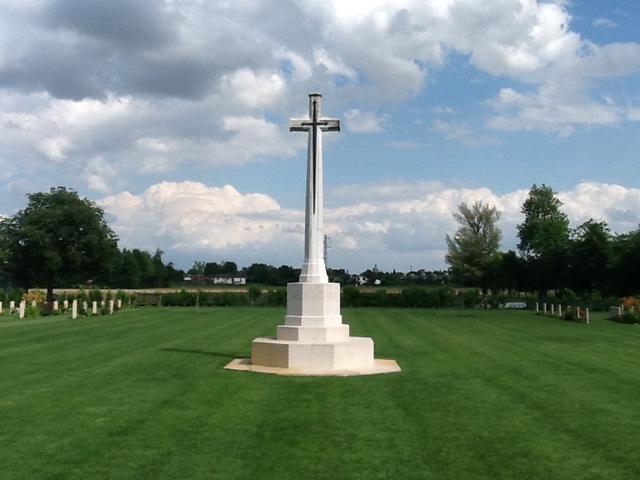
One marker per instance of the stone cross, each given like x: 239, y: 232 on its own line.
x: 313, y: 268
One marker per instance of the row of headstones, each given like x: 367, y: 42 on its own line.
x: 616, y: 312
x: 56, y: 307
x: 556, y: 310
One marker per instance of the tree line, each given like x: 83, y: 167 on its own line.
x: 588, y: 259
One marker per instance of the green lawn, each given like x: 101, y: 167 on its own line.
x: 482, y: 395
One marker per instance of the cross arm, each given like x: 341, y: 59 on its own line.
x: 330, y: 125
x: 298, y: 125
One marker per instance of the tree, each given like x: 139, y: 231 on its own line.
x: 198, y: 268
x: 544, y: 238
x: 229, y: 268
x: 589, y: 254
x: 545, y: 228
x: 624, y: 264
x: 59, y: 239
x: 476, y: 242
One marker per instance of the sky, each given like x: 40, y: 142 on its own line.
x: 172, y: 115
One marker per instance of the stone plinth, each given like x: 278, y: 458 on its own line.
x: 313, y: 339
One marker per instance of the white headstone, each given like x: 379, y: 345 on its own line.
x: 23, y: 306
x: 94, y: 308
x: 85, y: 307
x: 65, y: 304
x: 578, y: 312
x: 0, y: 308
x: 537, y: 307
x: 55, y: 305
x: 560, y: 310
x: 119, y: 304
x: 102, y: 304
x: 586, y: 315
x: 553, y: 309
x: 12, y: 306
x: 74, y: 309
x: 110, y: 307
x: 544, y: 308
x: 34, y: 303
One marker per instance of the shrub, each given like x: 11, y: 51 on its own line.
x: 37, y: 295
x: 629, y: 317
x: 95, y: 295
x: 254, y: 294
x: 15, y: 294
x: 570, y: 315
x: 350, y: 296
x: 179, y: 299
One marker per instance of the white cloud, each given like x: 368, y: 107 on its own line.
x: 191, y: 216
x: 604, y: 22
x: 394, y: 224
x: 334, y: 65
x: 461, y: 132
x: 364, y: 122
x: 54, y: 148
x: 209, y: 83
x: 251, y: 89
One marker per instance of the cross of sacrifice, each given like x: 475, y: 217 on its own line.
x: 313, y: 269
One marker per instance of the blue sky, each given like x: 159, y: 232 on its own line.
x: 172, y: 115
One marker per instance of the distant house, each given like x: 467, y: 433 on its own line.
x: 227, y: 280
x: 187, y: 278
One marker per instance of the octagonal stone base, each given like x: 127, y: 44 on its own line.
x: 356, y: 352
x: 313, y: 339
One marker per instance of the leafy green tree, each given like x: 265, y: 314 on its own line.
x: 59, y: 239
x: 198, y: 268
x: 545, y: 229
x: 211, y: 269
x: 475, y: 244
x: 624, y: 264
x: 544, y: 239
x: 589, y: 255
x: 229, y: 268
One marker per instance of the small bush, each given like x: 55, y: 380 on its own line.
x: 629, y: 317
x: 570, y: 315
x: 37, y: 295
x: 95, y: 295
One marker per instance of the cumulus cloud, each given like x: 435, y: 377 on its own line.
x: 363, y: 122
x: 391, y: 224
x: 191, y: 216
x: 460, y: 131
x: 148, y: 86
